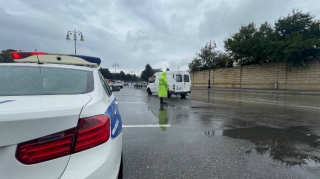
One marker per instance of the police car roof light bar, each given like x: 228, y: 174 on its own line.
x: 52, y: 58
x: 21, y: 55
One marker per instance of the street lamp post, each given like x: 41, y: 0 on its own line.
x: 75, y: 35
x: 210, y: 45
x: 115, y: 65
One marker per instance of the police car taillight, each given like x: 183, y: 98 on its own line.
x: 21, y: 55
x: 90, y: 132
x: 46, y: 148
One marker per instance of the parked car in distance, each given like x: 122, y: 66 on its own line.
x: 125, y: 84
x: 118, y: 83
x: 137, y: 85
x: 145, y: 84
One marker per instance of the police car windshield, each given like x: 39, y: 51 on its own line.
x: 24, y: 80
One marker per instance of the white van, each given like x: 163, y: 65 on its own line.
x: 179, y: 83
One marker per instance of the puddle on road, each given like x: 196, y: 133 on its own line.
x: 290, y: 147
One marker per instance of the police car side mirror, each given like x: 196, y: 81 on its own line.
x: 115, y: 88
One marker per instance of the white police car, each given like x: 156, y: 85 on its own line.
x: 58, y: 119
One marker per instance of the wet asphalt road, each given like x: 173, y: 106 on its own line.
x: 216, y: 134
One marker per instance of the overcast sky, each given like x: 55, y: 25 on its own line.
x: 132, y: 33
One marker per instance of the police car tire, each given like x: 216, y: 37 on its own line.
x: 120, y: 174
x: 183, y: 95
x: 149, y: 91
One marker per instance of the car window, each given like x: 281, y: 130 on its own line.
x: 105, y: 85
x: 186, y: 78
x: 22, y: 80
x: 178, y: 78
x: 152, y: 79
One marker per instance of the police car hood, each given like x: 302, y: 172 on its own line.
x: 24, y: 118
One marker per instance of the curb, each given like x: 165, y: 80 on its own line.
x: 316, y: 93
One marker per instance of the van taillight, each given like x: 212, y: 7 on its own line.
x: 90, y: 132
x: 173, y: 87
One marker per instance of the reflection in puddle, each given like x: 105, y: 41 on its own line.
x: 209, y: 133
x: 290, y: 147
x: 168, y: 112
x: 160, y: 111
x: 213, y: 133
x: 163, y: 117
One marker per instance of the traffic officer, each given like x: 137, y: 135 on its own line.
x: 163, y: 87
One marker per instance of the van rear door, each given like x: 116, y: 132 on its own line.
x: 179, y: 83
x: 186, y: 82
x: 153, y: 84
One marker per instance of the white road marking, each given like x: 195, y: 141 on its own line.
x: 270, y: 103
x: 149, y: 125
x: 131, y: 102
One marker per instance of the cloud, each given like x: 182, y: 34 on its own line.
x: 133, y: 33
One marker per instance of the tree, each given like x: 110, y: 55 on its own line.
x: 106, y: 73
x: 147, y: 72
x: 263, y: 44
x: 5, y: 56
x: 129, y: 77
x: 135, y: 78
x: 209, y: 58
x: 196, y: 64
x: 297, y: 39
x: 294, y: 39
x: 122, y: 75
x: 240, y: 45
x: 223, y: 60
x: 118, y: 76
x: 167, y: 69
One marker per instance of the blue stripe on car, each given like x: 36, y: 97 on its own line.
x: 88, y: 59
x: 6, y: 101
x: 115, y: 117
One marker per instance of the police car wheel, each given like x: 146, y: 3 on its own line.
x: 120, y: 175
x: 149, y: 91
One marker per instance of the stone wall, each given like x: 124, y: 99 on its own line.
x: 261, y: 77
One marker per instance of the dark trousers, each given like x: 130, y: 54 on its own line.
x: 161, y: 100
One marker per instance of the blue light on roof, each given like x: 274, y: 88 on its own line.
x: 88, y: 59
